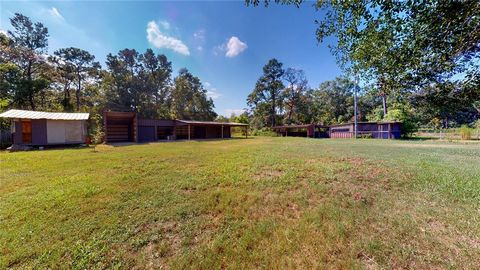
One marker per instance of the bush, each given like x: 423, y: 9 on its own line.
x: 366, y: 136
x: 466, y: 132
x: 403, y: 113
x: 266, y: 132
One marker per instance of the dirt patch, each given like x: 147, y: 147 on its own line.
x: 268, y: 172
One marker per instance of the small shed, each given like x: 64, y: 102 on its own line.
x: 35, y: 128
x: 376, y: 130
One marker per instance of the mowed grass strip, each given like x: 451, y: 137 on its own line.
x: 243, y: 203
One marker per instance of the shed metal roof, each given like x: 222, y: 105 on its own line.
x: 190, y: 122
x: 23, y: 114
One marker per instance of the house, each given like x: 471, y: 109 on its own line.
x: 128, y: 127
x: 35, y: 128
x: 377, y: 130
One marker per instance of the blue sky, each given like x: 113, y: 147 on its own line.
x: 225, y: 44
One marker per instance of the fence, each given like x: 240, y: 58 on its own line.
x: 366, y: 134
x: 5, y: 138
x: 446, y: 134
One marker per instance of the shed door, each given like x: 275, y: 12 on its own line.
x: 26, y: 132
x: 55, y: 131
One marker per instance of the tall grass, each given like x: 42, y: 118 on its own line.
x: 466, y: 132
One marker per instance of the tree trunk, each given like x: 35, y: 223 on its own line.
x: 32, y: 103
x: 30, y: 90
x: 384, y: 103
x: 273, y: 109
x: 79, y: 87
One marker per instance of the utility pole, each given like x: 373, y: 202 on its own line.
x: 355, y: 105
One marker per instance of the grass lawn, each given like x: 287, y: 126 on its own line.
x: 244, y: 203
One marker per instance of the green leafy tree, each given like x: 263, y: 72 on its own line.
x: 265, y: 100
x: 296, y: 97
x: 189, y: 99
x: 75, y: 65
x: 29, y: 42
x: 333, y: 101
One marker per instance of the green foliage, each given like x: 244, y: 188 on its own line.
x: 189, y: 99
x: 466, y: 132
x: 265, y: 132
x: 405, y: 114
x: 333, y: 101
x: 265, y: 100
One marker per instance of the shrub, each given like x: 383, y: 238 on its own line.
x: 366, y: 136
x: 267, y: 132
x: 403, y: 113
x: 466, y: 132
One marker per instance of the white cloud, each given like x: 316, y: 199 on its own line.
x: 211, y: 91
x: 235, y: 46
x: 160, y: 40
x: 55, y: 13
x: 199, y: 39
x: 3, y: 32
x: 237, y: 112
x: 165, y: 25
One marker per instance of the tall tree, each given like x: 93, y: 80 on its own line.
x: 29, y: 43
x: 333, y: 101
x: 268, y: 90
x: 189, y: 99
x: 295, y: 95
x: 401, y: 47
x: 76, y: 64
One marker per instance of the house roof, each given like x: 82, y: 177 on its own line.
x: 362, y: 122
x: 293, y: 126
x: 23, y: 114
x: 190, y: 122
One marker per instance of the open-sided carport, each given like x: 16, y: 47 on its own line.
x: 187, y: 130
x: 128, y: 127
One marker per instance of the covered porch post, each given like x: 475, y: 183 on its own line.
x: 188, y: 132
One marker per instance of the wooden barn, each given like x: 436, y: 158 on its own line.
x: 35, y: 128
x: 128, y: 127
x: 376, y: 130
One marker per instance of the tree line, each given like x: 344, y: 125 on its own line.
x: 417, y: 61
x: 71, y: 80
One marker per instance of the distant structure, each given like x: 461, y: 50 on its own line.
x: 376, y: 130
x: 35, y: 128
x: 128, y: 127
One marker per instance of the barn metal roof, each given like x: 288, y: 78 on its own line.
x: 190, y: 122
x: 23, y: 114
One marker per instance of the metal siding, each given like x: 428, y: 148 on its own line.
x: 156, y: 122
x: 146, y: 133
x: 55, y: 132
x: 23, y: 114
x: 17, y: 137
x: 39, y: 132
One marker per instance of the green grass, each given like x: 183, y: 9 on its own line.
x: 256, y: 203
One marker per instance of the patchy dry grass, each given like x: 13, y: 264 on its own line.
x: 257, y: 203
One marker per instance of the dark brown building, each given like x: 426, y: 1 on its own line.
x: 128, y: 127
